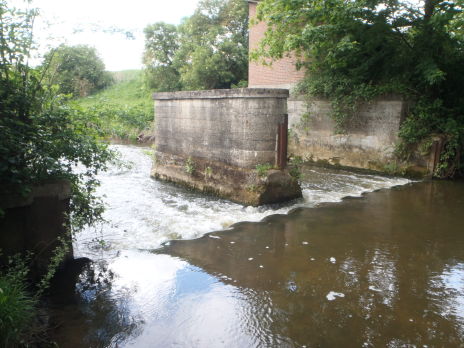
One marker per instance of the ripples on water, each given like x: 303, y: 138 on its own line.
x: 143, y: 213
x: 383, y: 271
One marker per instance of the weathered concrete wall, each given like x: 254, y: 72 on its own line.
x: 34, y: 223
x: 368, y: 141
x: 213, y: 140
x: 237, y: 127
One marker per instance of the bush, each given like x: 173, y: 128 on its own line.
x: 77, y: 70
x: 121, y: 121
x: 17, y: 307
x: 262, y: 169
x: 43, y: 138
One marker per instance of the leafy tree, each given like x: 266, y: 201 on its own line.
x: 206, y: 51
x: 161, y: 45
x: 43, y: 136
x: 77, y: 70
x: 354, y: 51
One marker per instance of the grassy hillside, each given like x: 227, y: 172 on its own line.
x: 128, y: 90
x: 125, y: 108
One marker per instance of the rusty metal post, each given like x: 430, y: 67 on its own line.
x: 282, y: 143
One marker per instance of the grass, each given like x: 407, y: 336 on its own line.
x: 128, y: 90
x: 125, y: 108
x: 17, y: 307
x: 262, y: 169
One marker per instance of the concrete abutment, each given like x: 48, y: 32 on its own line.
x: 213, y: 141
x: 35, y: 224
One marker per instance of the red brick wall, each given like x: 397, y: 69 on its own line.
x: 281, y: 73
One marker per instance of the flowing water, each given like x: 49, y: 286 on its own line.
x: 143, y: 213
x: 381, y: 269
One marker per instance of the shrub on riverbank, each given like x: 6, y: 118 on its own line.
x: 121, y: 122
x: 76, y: 70
x: 17, y: 307
x: 43, y: 138
x: 124, y: 109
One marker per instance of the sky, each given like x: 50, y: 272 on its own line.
x: 90, y: 22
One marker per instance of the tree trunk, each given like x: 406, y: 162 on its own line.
x: 429, y: 8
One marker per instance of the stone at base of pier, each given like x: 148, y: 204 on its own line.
x: 242, y: 185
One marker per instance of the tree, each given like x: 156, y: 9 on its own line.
x: 354, y: 51
x: 206, y: 51
x: 43, y: 136
x: 77, y: 70
x: 161, y: 45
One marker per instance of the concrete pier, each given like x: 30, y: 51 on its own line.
x: 224, y: 142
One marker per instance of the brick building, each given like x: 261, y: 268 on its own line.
x: 281, y: 74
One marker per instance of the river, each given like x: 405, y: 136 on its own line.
x: 173, y: 268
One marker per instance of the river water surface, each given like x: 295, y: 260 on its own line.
x: 382, y: 268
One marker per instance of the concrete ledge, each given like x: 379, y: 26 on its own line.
x: 59, y: 189
x: 35, y: 223
x: 223, y: 94
x: 368, y: 140
x: 241, y: 185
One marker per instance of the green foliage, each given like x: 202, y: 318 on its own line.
x: 189, y: 166
x: 49, y: 144
x: 294, y: 168
x: 19, y: 299
x: 43, y: 136
x: 120, y: 122
x: 59, y: 254
x: 393, y: 168
x: 240, y: 84
x: 356, y: 51
x: 262, y: 169
x: 208, y: 172
x: 128, y: 89
x: 208, y: 50
x: 161, y: 45
x: 17, y: 306
x: 124, y: 109
x: 77, y: 70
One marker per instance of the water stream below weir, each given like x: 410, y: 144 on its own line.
x: 174, y: 268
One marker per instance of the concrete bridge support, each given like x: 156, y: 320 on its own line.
x: 225, y: 142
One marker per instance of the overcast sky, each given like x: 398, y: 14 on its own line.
x: 88, y: 22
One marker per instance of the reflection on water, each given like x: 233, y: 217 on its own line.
x: 384, y: 270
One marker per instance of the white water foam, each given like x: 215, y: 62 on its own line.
x: 143, y: 212
x: 333, y: 295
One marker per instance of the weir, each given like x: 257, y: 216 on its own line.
x: 228, y: 142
